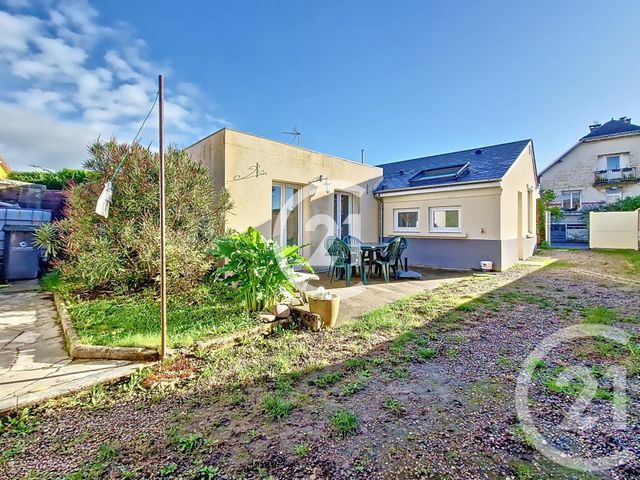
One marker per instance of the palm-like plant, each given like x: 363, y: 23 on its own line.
x: 259, y: 268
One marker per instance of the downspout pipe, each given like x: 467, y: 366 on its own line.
x: 380, y: 216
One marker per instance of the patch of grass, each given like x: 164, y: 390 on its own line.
x: 352, y: 388
x: 209, y: 310
x: 276, y: 407
x: 521, y: 297
x: 206, y: 472
x: 600, y: 315
x: 398, y: 373
x: 168, y: 470
x: 8, y: 454
x: 355, y: 363
x: 96, y: 469
x: 328, y: 379
x: 19, y: 423
x: 301, y: 450
x: 345, y: 422
x: 426, y: 353
x: 394, y: 405
x: 630, y: 259
x: 188, y: 443
x: 504, y: 361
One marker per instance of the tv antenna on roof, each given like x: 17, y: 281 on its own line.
x: 295, y: 134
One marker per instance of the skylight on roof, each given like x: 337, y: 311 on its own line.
x: 442, y: 173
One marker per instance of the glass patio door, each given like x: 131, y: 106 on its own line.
x: 286, y: 219
x: 342, y: 214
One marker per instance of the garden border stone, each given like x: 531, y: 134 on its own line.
x: 77, y: 349
x: 236, y: 337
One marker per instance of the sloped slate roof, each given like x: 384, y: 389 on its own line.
x: 612, y: 127
x: 485, y: 163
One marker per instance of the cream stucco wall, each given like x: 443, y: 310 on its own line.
x: 575, y: 170
x: 518, y: 208
x: 614, y: 229
x: 479, y: 212
x: 230, y: 154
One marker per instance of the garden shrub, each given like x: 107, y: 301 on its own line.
x: 121, y: 253
x: 54, y: 180
x: 627, y: 204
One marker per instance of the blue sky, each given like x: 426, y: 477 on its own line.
x: 422, y: 78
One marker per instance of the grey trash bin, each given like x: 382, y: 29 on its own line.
x: 21, y: 258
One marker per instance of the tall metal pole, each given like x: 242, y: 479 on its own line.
x: 163, y: 252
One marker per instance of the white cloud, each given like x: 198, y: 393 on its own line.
x: 37, y: 138
x: 72, y: 79
x: 16, y: 32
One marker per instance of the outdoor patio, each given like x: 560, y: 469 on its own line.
x: 358, y: 298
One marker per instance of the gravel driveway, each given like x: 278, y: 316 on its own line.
x: 435, y: 400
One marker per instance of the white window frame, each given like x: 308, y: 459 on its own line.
x: 610, y: 194
x: 282, y: 234
x: 397, y: 228
x: 337, y: 210
x: 570, y: 192
x: 433, y: 228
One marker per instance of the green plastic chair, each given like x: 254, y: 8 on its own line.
x: 341, y: 259
x: 328, y: 241
x: 388, y: 259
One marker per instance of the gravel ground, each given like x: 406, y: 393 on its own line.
x: 452, y: 413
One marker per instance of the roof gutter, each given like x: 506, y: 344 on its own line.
x: 443, y: 187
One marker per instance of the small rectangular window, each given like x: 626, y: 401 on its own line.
x: 445, y: 219
x: 571, y: 200
x: 406, y: 220
x: 530, y: 211
x: 613, y: 162
x: 614, y: 194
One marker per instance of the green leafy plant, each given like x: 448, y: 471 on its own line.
x: 275, y: 407
x: 545, y: 202
x: 188, y: 443
x: 301, y: 450
x: 345, y: 422
x: 261, y: 269
x: 120, y: 254
x: 54, y: 180
x: 394, y: 405
x: 21, y: 422
x: 47, y: 238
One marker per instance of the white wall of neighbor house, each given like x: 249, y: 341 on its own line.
x: 230, y: 154
x: 576, y: 169
x: 614, y: 229
x: 518, y: 209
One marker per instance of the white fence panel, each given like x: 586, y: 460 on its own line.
x: 614, y: 229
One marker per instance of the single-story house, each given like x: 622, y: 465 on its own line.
x: 455, y: 209
x: 460, y: 208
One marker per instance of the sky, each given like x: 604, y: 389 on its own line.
x: 397, y: 79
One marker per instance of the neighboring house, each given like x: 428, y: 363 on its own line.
x: 4, y: 168
x: 460, y: 208
x: 600, y: 167
x: 455, y: 209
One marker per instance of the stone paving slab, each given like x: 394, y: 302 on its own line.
x: 34, y: 365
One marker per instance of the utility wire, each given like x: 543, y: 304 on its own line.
x: 135, y: 139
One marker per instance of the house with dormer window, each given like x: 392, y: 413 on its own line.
x: 600, y: 167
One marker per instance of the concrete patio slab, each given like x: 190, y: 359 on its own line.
x: 358, y: 298
x: 34, y: 365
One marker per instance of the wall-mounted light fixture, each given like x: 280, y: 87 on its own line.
x: 323, y: 180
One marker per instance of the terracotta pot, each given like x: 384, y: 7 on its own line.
x: 327, y: 309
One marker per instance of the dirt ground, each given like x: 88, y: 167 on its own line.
x: 423, y: 389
